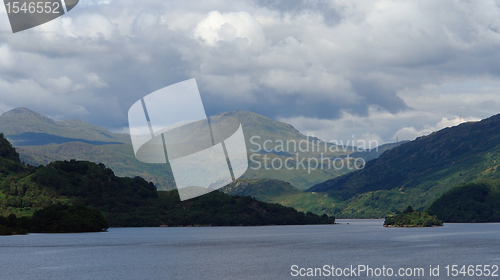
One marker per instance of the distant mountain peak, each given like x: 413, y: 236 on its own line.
x: 26, y: 112
x: 20, y: 110
x: 22, y: 120
x: 259, y: 123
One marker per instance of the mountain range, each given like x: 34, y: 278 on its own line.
x: 41, y: 140
x: 45, y: 192
x: 26, y: 127
x: 413, y: 173
x: 418, y: 172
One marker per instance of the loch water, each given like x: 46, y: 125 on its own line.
x: 268, y: 252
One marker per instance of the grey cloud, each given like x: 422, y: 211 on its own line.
x: 274, y: 105
x: 381, y: 95
x: 327, y: 9
x: 367, y: 59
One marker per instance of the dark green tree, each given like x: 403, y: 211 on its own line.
x: 7, y: 151
x: 408, y: 210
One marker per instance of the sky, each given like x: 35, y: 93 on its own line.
x: 374, y: 70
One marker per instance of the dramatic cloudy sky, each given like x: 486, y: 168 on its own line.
x: 372, y: 69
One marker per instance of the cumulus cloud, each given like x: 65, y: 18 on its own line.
x: 90, y: 26
x: 94, y: 80
x: 381, y: 69
x: 217, y: 27
x: 380, y: 126
x: 445, y: 122
x: 410, y: 133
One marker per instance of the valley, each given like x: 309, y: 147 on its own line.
x: 290, y: 168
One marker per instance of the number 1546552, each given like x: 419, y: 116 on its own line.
x: 472, y: 270
x: 32, y: 7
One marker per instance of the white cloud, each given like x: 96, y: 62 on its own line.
x: 380, y: 69
x: 410, y: 133
x: 96, y: 81
x: 445, y: 122
x: 379, y: 126
x: 217, y: 27
x: 29, y: 93
x: 92, y: 25
x: 94, y: 2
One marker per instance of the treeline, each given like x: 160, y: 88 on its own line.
x: 55, y: 219
x: 220, y: 209
x: 411, y: 218
x: 129, y: 202
x: 469, y: 203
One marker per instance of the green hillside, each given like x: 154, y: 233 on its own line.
x: 376, y: 152
x: 472, y: 202
x: 262, y: 189
x: 406, y: 173
x: 276, y: 191
x: 120, y: 158
x: 127, y: 201
x: 418, y: 172
x: 41, y: 140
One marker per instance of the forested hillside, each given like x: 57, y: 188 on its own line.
x: 418, y: 172
x: 127, y: 201
x: 469, y: 203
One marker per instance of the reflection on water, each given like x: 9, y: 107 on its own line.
x: 242, y: 252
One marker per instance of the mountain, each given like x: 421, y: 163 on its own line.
x: 25, y: 124
x: 262, y: 189
x: 126, y: 201
x: 41, y: 140
x: 417, y: 172
x: 269, y: 141
x: 370, y: 154
x: 276, y: 191
x: 119, y: 157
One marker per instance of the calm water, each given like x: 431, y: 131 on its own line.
x: 245, y: 252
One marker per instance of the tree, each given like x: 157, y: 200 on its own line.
x: 7, y: 151
x: 408, y: 210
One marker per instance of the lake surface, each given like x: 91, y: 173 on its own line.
x: 247, y: 252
